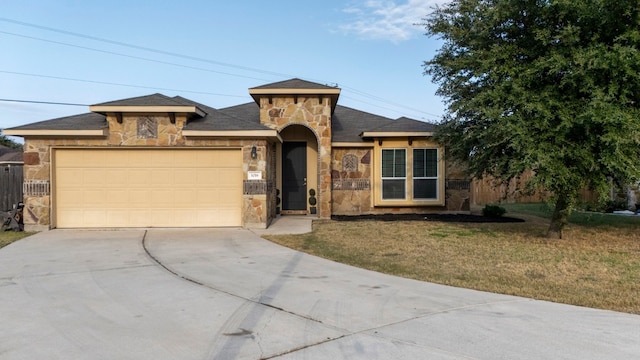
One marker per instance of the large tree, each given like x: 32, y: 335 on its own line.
x: 551, y: 86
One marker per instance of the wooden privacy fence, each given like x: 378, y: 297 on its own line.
x: 488, y: 191
x: 10, y: 186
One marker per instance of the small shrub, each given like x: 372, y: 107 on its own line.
x: 613, y: 205
x: 493, y: 211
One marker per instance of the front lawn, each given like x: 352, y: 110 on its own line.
x: 577, y: 217
x: 595, y: 265
x: 7, y: 237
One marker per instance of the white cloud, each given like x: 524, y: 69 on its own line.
x: 387, y: 20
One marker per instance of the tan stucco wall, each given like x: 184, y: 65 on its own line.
x: 258, y: 209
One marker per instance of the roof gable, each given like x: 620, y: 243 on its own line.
x: 295, y: 87
x: 294, y: 83
x: 148, y: 103
x: 147, y: 100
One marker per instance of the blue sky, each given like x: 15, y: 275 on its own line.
x: 88, y: 52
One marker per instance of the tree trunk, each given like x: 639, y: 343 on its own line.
x: 560, y: 216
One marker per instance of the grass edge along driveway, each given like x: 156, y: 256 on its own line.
x: 596, y: 265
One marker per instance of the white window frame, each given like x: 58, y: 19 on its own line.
x: 414, y: 177
x: 394, y: 178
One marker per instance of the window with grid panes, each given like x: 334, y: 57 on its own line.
x: 425, y: 174
x: 394, y: 174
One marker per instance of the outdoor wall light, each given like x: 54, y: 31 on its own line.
x: 254, y: 153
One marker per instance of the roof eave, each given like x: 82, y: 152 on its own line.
x: 351, y: 144
x: 103, y: 109
x: 333, y: 93
x: 388, y: 134
x: 262, y: 134
x: 289, y: 91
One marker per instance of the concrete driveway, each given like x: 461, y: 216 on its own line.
x: 228, y: 294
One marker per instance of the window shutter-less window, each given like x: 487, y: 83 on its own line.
x: 394, y: 174
x: 425, y: 173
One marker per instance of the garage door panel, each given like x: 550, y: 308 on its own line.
x: 110, y: 159
x: 93, y: 198
x: 160, y: 159
x: 69, y: 177
x: 139, y: 217
x: 72, y: 197
x: 229, y: 178
x: 137, y: 159
x: 162, y: 177
x: 116, y: 197
x: 117, y: 216
x: 138, y: 198
x: 147, y: 187
x: 137, y: 178
x: 206, y: 176
x: 186, y: 177
x: 114, y: 178
x: 94, y: 177
x: 162, y: 198
x: 162, y: 217
x: 219, y: 217
x: 93, y: 217
x: 185, y: 196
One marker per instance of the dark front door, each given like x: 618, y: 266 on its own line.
x: 294, y: 176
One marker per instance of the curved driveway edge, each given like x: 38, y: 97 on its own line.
x: 228, y: 294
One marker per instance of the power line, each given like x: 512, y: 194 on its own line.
x: 383, y: 107
x: 391, y: 102
x: 42, y: 102
x: 128, y: 56
x: 116, y: 84
x: 119, y: 43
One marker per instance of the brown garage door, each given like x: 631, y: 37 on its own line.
x: 147, y: 188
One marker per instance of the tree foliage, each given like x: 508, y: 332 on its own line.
x: 551, y: 86
x: 5, y: 141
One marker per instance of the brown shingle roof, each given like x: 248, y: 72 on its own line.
x: 15, y: 156
x: 88, y: 121
x: 293, y: 84
x: 241, y: 117
x: 347, y: 124
x: 147, y: 100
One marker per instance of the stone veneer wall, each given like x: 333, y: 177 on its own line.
x: 352, y: 185
x: 257, y: 209
x: 352, y: 189
x: 314, y: 112
x: 458, y: 188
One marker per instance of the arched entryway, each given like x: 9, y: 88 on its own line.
x: 298, y: 170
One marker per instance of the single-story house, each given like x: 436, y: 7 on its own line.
x: 158, y: 161
x: 10, y: 157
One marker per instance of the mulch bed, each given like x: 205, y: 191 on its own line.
x: 428, y: 217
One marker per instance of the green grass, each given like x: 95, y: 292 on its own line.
x: 583, y: 218
x: 7, y: 237
x: 596, y: 265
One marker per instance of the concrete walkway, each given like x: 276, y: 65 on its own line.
x: 289, y: 224
x: 228, y: 294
